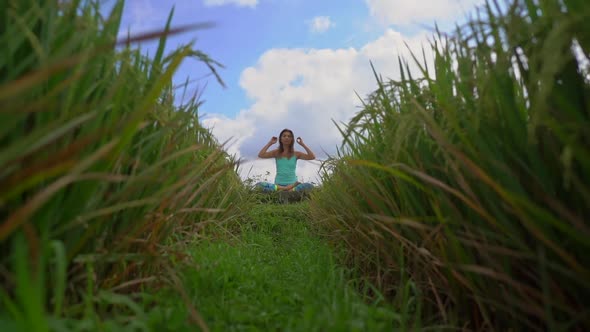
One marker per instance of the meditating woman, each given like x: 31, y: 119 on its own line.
x: 286, y: 161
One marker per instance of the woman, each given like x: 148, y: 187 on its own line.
x: 286, y: 161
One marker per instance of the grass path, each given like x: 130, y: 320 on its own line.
x: 276, y: 276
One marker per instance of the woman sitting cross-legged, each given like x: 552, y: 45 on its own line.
x: 286, y: 162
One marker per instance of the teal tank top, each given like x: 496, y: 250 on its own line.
x: 286, y: 170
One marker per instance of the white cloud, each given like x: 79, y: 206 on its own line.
x: 320, y: 24
x: 231, y: 132
x: 405, y: 12
x: 140, y: 16
x: 304, y: 90
x: 240, y: 3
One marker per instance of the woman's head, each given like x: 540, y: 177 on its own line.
x: 286, y: 140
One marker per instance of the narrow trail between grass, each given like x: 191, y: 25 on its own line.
x: 278, y: 276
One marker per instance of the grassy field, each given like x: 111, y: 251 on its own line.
x: 119, y: 212
x: 276, y: 275
x: 470, y: 180
x: 102, y: 171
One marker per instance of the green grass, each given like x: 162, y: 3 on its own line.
x: 461, y: 191
x: 470, y: 180
x: 102, y: 170
x: 277, y: 275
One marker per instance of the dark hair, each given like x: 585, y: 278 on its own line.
x: 281, y: 147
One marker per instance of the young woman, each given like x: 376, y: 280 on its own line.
x: 286, y: 161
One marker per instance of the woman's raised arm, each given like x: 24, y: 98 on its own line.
x: 264, y: 153
x: 308, y: 155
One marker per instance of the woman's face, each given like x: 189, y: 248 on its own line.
x: 287, y: 138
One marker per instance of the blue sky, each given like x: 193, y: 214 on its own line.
x: 291, y: 63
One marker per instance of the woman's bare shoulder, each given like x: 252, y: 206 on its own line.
x: 269, y: 154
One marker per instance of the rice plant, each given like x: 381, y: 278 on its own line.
x: 99, y: 166
x: 463, y: 190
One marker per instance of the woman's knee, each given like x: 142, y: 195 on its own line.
x: 304, y: 187
x: 266, y: 186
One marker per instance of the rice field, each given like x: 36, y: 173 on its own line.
x: 471, y: 177
x: 102, y: 174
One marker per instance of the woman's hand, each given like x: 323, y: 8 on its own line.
x: 308, y: 155
x: 264, y: 153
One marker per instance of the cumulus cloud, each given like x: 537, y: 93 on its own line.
x: 240, y: 3
x: 306, y: 90
x: 320, y: 24
x: 404, y: 12
x: 231, y: 132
